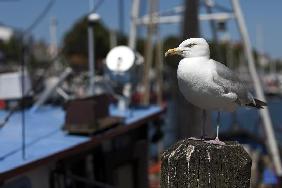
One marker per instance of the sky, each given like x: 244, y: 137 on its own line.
x: 265, y: 15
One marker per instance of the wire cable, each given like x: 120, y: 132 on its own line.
x: 23, y: 62
x: 29, y: 29
x: 36, y: 84
x: 40, y: 17
x: 97, y: 5
x: 33, y: 25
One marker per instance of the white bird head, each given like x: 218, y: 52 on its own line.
x: 193, y: 47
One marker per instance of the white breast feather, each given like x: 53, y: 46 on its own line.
x: 195, y: 80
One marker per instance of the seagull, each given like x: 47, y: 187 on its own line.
x: 208, y: 84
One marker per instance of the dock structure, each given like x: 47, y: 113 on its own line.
x: 99, y: 160
x: 195, y: 163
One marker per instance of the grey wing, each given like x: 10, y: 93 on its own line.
x: 230, y: 82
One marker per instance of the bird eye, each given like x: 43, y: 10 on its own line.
x: 191, y: 45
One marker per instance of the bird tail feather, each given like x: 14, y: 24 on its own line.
x: 258, y: 104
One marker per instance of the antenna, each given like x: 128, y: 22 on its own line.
x: 53, y: 37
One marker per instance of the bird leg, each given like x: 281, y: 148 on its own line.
x: 204, y: 124
x: 216, y: 140
x: 217, y: 124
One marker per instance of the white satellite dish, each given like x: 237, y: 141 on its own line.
x: 120, y: 59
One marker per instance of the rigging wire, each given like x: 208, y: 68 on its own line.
x: 97, y: 5
x: 40, y: 17
x: 22, y: 52
x: 26, y: 32
x: 23, y: 62
x: 38, y: 82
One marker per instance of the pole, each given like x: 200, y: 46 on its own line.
x: 113, y: 39
x: 271, y: 141
x: 149, y: 53
x: 188, y: 116
x: 133, y: 25
x: 23, y: 64
x: 259, y: 46
x: 121, y: 16
x: 159, y: 65
x: 91, y: 61
x: 49, y: 90
x: 208, y: 5
x: 53, y: 37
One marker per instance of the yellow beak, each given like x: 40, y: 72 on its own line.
x: 173, y: 51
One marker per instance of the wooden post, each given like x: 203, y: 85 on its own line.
x: 188, y: 116
x: 191, y: 163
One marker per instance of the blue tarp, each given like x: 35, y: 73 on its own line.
x: 44, y: 135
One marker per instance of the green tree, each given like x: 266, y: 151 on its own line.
x: 76, y: 42
x: 11, y: 49
x: 171, y: 42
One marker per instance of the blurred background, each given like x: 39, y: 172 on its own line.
x: 88, y: 100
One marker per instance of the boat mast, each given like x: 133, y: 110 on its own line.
x: 271, y: 141
x: 133, y: 25
x: 91, y: 66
